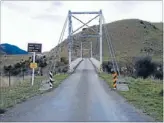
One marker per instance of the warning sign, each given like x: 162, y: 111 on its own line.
x: 33, y: 65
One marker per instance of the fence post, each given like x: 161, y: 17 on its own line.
x: 9, y: 78
x: 23, y: 74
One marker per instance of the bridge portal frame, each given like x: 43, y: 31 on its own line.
x: 71, y: 32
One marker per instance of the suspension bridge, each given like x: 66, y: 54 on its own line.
x: 99, y: 35
x: 83, y: 96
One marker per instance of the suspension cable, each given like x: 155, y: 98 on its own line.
x: 57, y: 52
x: 110, y: 52
x: 111, y: 47
x: 61, y: 36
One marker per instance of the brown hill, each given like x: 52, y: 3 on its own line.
x: 131, y: 37
x: 159, y: 25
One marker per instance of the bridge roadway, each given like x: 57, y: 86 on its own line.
x: 83, y: 96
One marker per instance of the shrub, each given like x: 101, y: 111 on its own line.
x: 7, y: 68
x: 2, y: 111
x: 17, y: 65
x: 44, y: 56
x: 15, y: 72
x: 144, y: 67
x: 141, y: 22
x: 107, y: 66
x: 64, y: 60
x: 158, y: 73
x: 42, y: 64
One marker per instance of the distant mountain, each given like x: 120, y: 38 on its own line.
x: 11, y: 49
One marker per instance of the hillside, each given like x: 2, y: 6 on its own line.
x: 11, y: 49
x: 130, y: 37
x: 159, y: 25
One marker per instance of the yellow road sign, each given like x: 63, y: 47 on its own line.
x: 33, y: 65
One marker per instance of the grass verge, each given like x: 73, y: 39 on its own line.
x: 10, y: 96
x: 59, y: 78
x: 143, y: 94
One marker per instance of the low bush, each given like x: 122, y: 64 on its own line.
x: 158, y: 73
x: 107, y: 66
x: 23, y: 66
x: 137, y: 67
x: 144, y: 67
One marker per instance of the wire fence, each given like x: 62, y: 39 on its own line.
x: 6, y: 81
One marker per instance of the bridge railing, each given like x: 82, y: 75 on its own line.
x: 95, y: 62
x: 75, y: 63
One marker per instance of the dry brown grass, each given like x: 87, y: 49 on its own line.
x: 14, y: 80
x: 12, y: 59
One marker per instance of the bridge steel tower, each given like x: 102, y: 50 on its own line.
x: 71, y: 32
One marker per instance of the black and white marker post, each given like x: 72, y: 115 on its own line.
x: 51, y: 79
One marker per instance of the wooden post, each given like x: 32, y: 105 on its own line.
x: 9, y: 79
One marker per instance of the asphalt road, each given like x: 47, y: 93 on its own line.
x: 81, y: 97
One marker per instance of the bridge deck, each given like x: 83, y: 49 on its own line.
x: 75, y: 62
x: 95, y: 62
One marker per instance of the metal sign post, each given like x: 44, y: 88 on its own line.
x: 34, y: 48
x: 33, y: 69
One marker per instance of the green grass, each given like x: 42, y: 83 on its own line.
x: 143, y: 94
x: 59, y: 78
x: 16, y: 94
x: 10, y: 96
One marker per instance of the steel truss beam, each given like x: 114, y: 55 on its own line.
x: 85, y: 12
x: 85, y: 24
x: 89, y: 36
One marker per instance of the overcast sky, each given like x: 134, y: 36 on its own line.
x: 23, y: 22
